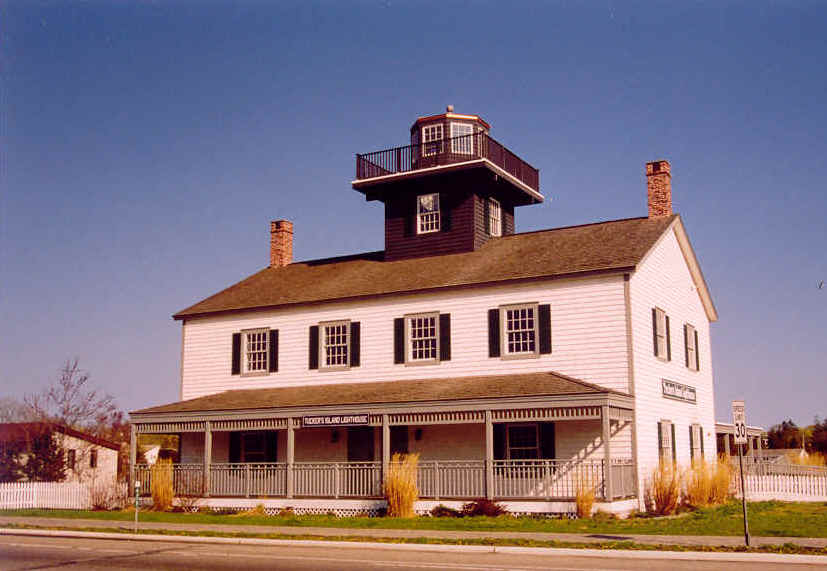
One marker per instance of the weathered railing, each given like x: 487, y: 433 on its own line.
x: 248, y: 480
x: 336, y: 480
x: 451, y: 479
x: 624, y: 478
x: 457, y: 479
x: 445, y: 152
x: 546, y: 478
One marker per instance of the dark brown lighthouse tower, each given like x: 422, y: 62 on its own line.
x: 449, y: 191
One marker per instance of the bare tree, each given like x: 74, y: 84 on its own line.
x: 12, y: 410
x: 73, y: 403
x: 70, y: 402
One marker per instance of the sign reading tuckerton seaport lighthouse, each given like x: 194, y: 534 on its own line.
x: 335, y: 420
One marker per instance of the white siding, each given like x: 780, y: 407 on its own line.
x: 588, y: 337
x: 663, y: 280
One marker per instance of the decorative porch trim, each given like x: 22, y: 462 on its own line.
x: 170, y: 427
x: 557, y: 413
x: 250, y: 424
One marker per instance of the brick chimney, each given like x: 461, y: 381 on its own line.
x: 659, y: 188
x: 281, y: 243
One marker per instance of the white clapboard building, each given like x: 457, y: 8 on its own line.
x: 520, y: 366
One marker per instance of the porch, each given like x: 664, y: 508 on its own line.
x: 539, y: 442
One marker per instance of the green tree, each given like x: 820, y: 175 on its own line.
x: 784, y: 435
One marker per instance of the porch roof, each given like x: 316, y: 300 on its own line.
x: 388, y: 392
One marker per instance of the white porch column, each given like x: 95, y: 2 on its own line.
x: 133, y: 456
x: 386, y: 446
x: 291, y: 453
x: 489, y: 456
x: 207, y: 456
x: 726, y: 444
x: 607, y: 453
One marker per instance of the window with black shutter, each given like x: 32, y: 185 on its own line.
x: 422, y: 338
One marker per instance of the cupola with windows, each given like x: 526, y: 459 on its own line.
x: 449, y: 191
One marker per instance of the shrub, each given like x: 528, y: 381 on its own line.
x: 188, y: 503
x: 445, y: 511
x: 699, y: 480
x: 584, y: 494
x: 664, y: 489
x: 721, y: 481
x: 107, y: 495
x: 483, y: 507
x: 161, y: 485
x: 400, y: 485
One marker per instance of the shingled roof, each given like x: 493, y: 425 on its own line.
x: 604, y: 246
x: 385, y: 392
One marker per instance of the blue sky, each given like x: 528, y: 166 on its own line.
x: 146, y: 146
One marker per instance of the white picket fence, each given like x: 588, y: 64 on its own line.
x: 45, y: 495
x: 784, y: 482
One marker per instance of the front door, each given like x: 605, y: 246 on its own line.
x: 360, y: 444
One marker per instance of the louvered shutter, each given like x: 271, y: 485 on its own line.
x: 444, y: 336
x: 655, y: 330
x: 271, y: 446
x: 697, y: 355
x: 691, y: 442
x: 701, y: 436
x: 313, y: 352
x: 486, y: 215
x: 547, y: 449
x: 660, y: 441
x: 274, y: 351
x: 445, y: 215
x: 236, y: 354
x: 355, y: 343
x: 399, y: 340
x: 686, y: 344
x: 544, y: 322
x: 668, y: 341
x: 499, y: 441
x: 493, y: 332
x: 674, y: 449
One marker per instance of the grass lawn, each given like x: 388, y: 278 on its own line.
x: 774, y: 519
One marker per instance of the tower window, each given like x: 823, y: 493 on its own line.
x: 462, y: 141
x: 495, y: 218
x: 432, y: 139
x: 427, y: 213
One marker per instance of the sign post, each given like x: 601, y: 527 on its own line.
x: 137, y: 500
x: 739, y: 421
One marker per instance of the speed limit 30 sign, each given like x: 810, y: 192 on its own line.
x: 739, y: 419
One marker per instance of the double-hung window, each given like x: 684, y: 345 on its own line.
x: 71, y: 458
x: 523, y: 442
x: 495, y: 218
x: 690, y: 342
x: 660, y: 333
x: 255, y: 352
x: 427, y: 213
x: 422, y: 334
x: 254, y: 344
x: 519, y: 330
x: 334, y: 344
x: 422, y: 338
x: 431, y: 139
x: 462, y: 140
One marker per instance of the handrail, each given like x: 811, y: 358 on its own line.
x: 442, y: 152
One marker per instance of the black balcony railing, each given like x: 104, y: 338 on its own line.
x: 446, y: 152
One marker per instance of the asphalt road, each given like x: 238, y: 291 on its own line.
x: 18, y: 553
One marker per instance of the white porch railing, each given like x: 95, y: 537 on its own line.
x: 456, y: 479
x: 451, y: 479
x: 335, y: 480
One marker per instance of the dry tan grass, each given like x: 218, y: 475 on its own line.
x: 665, y: 489
x: 584, y: 493
x: 811, y: 459
x: 161, y: 486
x: 400, y: 485
x: 698, y: 484
x: 257, y: 511
x: 721, y: 481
